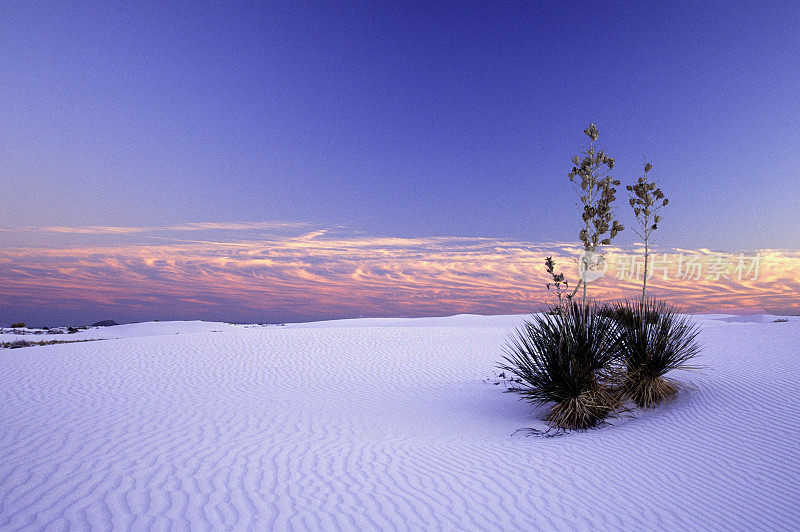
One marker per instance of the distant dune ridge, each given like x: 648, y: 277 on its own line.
x: 382, y: 424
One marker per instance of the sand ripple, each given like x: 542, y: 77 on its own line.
x: 345, y: 427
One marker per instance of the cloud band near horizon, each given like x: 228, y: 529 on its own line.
x: 324, y: 274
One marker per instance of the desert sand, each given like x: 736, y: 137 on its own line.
x: 380, y: 424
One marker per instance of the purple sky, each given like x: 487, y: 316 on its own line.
x: 388, y: 120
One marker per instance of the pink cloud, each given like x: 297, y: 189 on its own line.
x: 322, y: 274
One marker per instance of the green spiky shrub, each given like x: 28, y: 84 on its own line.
x: 654, y: 341
x: 567, y: 360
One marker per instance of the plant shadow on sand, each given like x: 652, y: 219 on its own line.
x: 496, y: 409
x: 629, y: 417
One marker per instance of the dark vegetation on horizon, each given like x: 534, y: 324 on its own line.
x: 27, y: 343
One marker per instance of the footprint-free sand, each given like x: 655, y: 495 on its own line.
x: 382, y: 424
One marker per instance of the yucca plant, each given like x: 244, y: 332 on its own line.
x: 566, y: 359
x: 654, y: 341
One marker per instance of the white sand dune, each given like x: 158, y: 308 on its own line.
x: 382, y: 424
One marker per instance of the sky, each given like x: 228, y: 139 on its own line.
x: 296, y: 161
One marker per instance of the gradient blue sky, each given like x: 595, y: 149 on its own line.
x: 398, y: 119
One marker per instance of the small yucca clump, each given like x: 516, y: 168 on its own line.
x: 654, y: 341
x: 565, y: 359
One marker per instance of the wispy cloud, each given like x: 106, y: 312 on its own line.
x: 192, y: 226
x: 333, y: 273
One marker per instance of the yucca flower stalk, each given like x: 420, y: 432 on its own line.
x: 591, y: 177
x: 646, y: 199
x: 558, y: 286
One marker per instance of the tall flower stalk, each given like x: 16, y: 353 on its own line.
x: 646, y: 199
x: 591, y: 178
